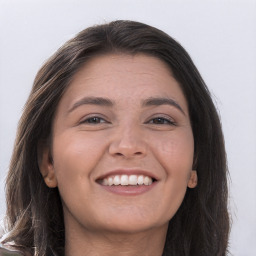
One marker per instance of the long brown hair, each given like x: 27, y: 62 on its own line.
x: 34, y: 211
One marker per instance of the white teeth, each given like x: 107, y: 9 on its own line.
x: 125, y: 180
x: 116, y: 180
x: 105, y: 182
x: 140, y: 180
x: 133, y: 180
x: 110, y: 181
x: 147, y: 180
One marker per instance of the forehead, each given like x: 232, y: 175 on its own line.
x: 124, y: 78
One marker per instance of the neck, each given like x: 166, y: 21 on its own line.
x: 146, y: 243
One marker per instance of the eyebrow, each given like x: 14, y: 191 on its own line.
x: 92, y: 101
x: 99, y: 101
x: 162, y: 101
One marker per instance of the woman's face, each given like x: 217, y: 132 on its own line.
x: 122, y: 146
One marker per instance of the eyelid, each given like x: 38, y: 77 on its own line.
x: 170, y: 120
x: 95, y: 115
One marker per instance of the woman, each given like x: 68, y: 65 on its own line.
x: 119, y: 151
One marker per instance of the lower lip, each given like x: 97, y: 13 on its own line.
x: 129, y: 190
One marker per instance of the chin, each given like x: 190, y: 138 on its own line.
x: 133, y: 222
x: 131, y: 228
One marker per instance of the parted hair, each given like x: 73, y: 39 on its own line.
x: 34, y: 218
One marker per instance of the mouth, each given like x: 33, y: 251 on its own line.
x: 126, y: 180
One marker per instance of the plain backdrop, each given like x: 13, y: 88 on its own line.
x: 219, y: 35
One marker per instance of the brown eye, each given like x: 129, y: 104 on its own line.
x: 94, y: 120
x: 161, y: 120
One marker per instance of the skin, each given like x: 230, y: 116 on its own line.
x: 126, y: 135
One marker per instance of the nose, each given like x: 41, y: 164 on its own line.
x: 128, y: 142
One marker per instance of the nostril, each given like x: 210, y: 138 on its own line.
x: 127, y: 154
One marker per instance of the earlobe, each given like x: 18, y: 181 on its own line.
x: 46, y: 167
x: 192, y: 183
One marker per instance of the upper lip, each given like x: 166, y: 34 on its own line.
x: 128, y: 171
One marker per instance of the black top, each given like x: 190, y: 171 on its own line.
x: 7, y: 252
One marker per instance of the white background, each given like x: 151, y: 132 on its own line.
x: 219, y: 35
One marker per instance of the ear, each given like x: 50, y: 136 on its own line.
x: 192, y: 183
x: 46, y: 167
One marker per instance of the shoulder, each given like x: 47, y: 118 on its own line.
x: 10, y: 249
x: 10, y: 252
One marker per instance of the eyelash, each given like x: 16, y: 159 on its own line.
x: 100, y: 120
x: 163, y: 121
x: 89, y: 119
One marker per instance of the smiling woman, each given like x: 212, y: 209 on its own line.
x: 119, y: 152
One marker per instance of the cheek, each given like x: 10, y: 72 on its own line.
x: 176, y: 152
x: 75, y: 156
